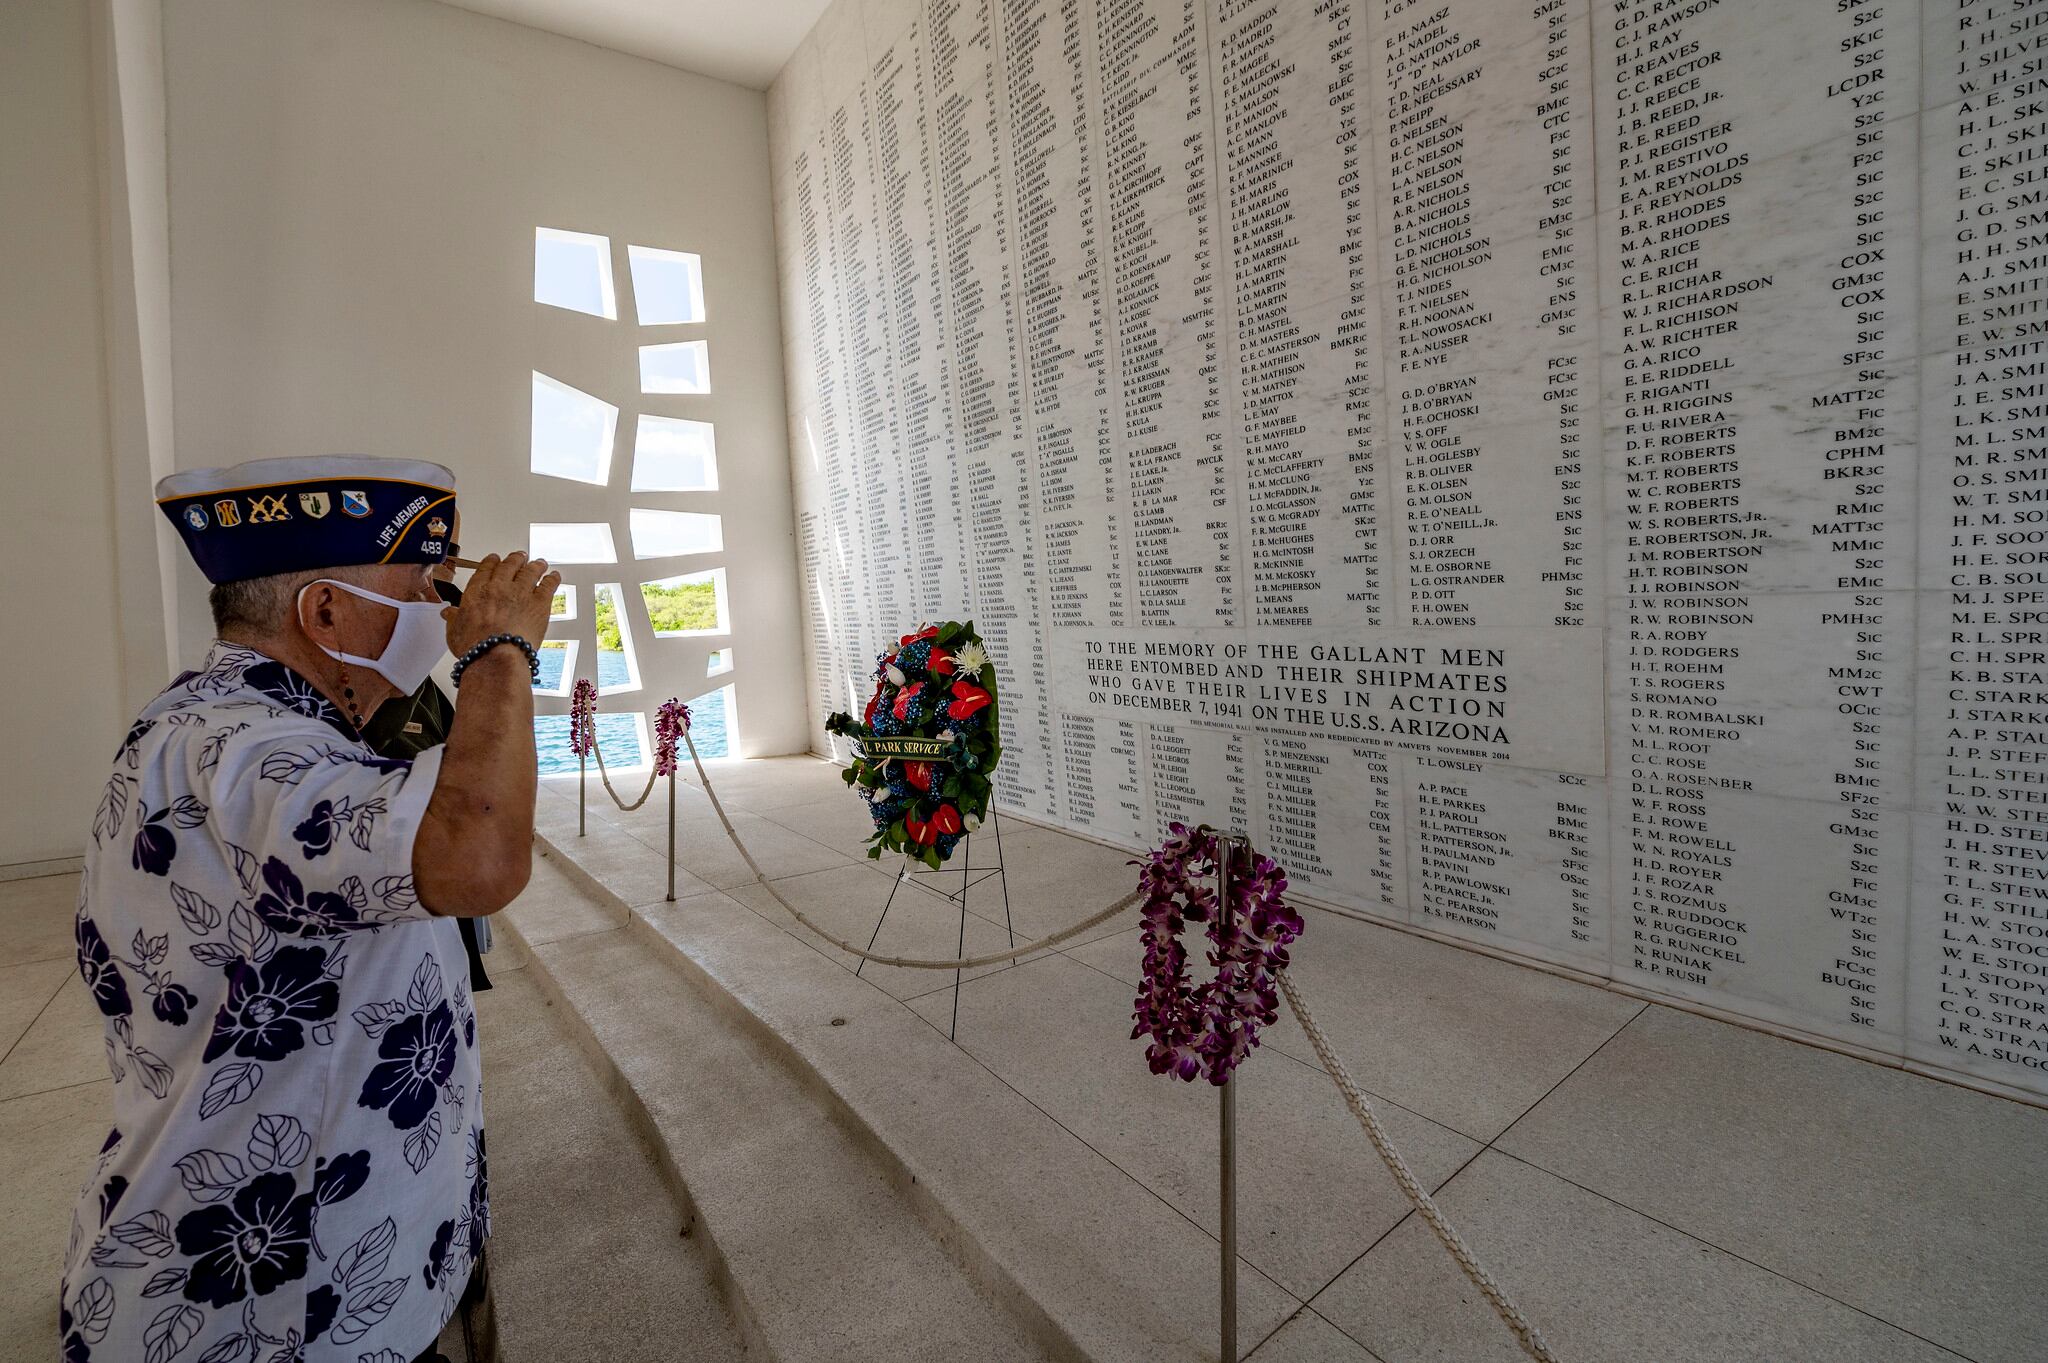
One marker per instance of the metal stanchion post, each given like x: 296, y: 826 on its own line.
x: 1226, y: 1093
x: 671, y: 835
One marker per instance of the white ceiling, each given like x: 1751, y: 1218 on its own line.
x: 743, y: 41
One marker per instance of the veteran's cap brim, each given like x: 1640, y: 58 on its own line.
x: 293, y: 514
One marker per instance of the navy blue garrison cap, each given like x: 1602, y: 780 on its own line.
x: 316, y: 511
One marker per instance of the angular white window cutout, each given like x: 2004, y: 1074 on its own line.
x: 666, y: 534
x: 668, y: 286
x: 674, y: 455
x: 564, y: 607
x: 629, y: 736
x: 719, y: 663
x: 573, y: 270
x: 573, y: 432
x: 571, y: 542
x: 679, y: 367
x: 557, y: 667
x: 691, y: 604
x: 618, y: 666
x: 714, y: 723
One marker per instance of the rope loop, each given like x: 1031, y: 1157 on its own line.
x: 908, y: 962
x: 606, y: 777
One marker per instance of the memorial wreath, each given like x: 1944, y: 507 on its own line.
x: 927, y: 743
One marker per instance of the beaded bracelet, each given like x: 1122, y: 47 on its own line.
x: 484, y: 646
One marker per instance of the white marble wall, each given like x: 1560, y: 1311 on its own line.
x: 1563, y: 476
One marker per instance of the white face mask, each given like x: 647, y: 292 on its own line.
x: 418, y: 641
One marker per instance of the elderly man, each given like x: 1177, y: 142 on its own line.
x: 267, y: 922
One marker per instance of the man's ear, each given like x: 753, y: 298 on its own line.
x: 315, y: 610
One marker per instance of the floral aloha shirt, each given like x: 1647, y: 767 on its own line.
x: 296, y: 1170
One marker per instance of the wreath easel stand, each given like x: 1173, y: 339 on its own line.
x: 970, y: 876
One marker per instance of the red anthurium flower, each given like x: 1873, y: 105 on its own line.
x: 928, y: 632
x: 967, y: 699
x: 868, y: 718
x: 941, y: 664
x: 903, y: 699
x: 919, y: 774
x: 922, y: 833
x: 947, y: 820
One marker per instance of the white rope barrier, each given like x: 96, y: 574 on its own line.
x: 1511, y: 1315
x: 606, y: 777
x: 909, y: 962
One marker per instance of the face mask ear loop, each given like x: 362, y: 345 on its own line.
x: 348, y: 690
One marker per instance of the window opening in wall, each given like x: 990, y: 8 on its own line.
x: 668, y: 286
x: 573, y: 432
x: 679, y: 367
x: 557, y: 667
x: 573, y: 270
x: 564, y: 607
x: 714, y: 723
x: 665, y: 534
x: 623, y: 737
x: 618, y: 666
x: 691, y: 604
x: 720, y: 662
x: 571, y: 542
x: 671, y: 454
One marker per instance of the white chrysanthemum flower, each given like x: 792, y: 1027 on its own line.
x: 896, y: 677
x: 972, y: 658
x: 947, y: 735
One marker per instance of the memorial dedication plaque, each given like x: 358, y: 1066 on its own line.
x: 1570, y: 477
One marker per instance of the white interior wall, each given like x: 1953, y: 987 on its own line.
x: 354, y: 190
x: 61, y: 615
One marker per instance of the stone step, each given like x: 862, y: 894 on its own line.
x: 591, y: 1259
x: 821, y: 1256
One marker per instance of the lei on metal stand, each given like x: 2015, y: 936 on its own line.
x: 1209, y: 1029
x: 671, y: 723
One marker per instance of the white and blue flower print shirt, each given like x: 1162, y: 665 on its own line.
x: 296, y: 1170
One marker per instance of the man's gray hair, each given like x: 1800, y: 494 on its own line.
x: 264, y: 605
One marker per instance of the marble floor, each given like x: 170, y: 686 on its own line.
x: 1651, y: 1185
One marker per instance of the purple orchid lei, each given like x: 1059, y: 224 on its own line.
x: 671, y: 721
x: 583, y: 717
x: 1209, y: 1029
